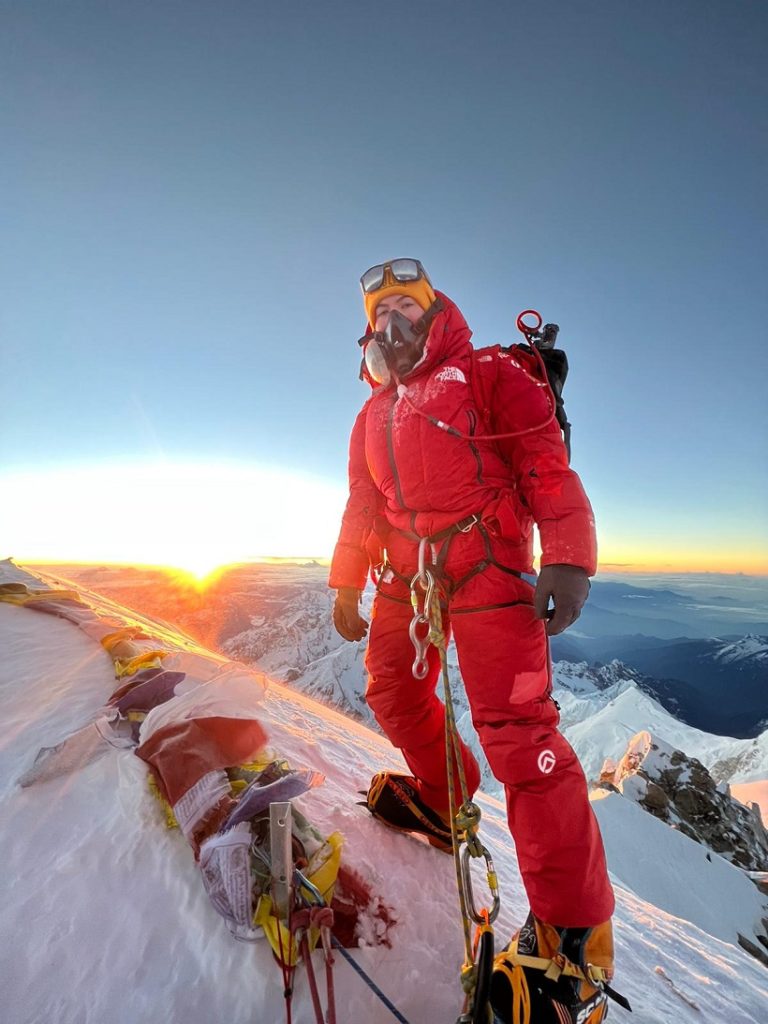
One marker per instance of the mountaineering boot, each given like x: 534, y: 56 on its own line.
x: 394, y: 799
x: 524, y: 992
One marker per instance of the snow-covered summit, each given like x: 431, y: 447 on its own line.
x: 278, y: 620
x: 600, y: 725
x: 110, y: 921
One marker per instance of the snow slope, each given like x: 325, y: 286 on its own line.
x: 109, y: 921
x: 599, y: 725
x: 278, y: 619
x: 676, y: 873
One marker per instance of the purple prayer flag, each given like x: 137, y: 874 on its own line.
x: 147, y: 694
x: 142, y: 676
x: 256, y: 798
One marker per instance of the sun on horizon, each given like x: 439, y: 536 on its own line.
x: 194, y: 516
x: 201, y: 517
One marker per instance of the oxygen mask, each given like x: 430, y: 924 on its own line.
x: 393, y: 353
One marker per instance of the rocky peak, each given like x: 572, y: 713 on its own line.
x: 680, y: 791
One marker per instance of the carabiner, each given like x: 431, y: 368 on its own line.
x: 493, y: 885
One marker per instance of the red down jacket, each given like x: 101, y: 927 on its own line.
x: 408, y: 474
x: 409, y: 478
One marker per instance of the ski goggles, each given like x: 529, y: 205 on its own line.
x: 400, y: 270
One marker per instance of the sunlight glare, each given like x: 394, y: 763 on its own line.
x: 194, y: 516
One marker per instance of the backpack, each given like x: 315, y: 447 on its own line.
x: 485, y: 370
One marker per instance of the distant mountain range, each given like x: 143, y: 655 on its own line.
x: 278, y: 617
x: 619, y: 609
x: 719, y: 685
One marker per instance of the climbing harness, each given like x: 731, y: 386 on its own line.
x: 465, y: 818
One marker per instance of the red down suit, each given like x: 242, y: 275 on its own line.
x: 408, y: 479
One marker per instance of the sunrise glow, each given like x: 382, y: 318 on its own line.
x: 197, y: 517
x: 192, y: 516
x: 750, y: 558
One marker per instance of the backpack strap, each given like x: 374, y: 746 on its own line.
x: 485, y: 372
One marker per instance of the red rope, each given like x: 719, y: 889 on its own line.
x: 287, y: 970
x: 325, y: 932
x: 301, y: 922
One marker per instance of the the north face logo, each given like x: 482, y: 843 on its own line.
x: 451, y: 373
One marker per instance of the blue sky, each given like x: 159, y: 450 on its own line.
x: 190, y: 192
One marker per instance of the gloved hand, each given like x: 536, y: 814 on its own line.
x: 568, y: 586
x: 346, y: 617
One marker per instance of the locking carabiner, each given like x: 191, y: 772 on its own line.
x: 493, y: 885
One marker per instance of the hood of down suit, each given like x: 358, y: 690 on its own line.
x: 429, y: 477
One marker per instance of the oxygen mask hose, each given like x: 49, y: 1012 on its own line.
x: 529, y: 333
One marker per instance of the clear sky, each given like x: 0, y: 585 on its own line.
x: 190, y: 191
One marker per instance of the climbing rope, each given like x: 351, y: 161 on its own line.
x: 319, y: 915
x: 309, y: 910
x: 465, y: 819
x: 368, y: 981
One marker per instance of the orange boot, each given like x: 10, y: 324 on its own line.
x: 550, y: 975
x: 394, y: 799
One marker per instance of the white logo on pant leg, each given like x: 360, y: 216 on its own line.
x: 546, y: 761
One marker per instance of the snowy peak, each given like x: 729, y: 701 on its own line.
x: 599, y: 723
x: 203, y: 974
x: 748, y: 648
x: 581, y: 678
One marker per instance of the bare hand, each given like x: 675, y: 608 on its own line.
x: 347, y: 620
x: 568, y: 587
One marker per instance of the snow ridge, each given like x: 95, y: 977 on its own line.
x: 97, y: 878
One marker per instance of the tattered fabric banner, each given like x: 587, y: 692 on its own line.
x: 257, y: 797
x: 146, y: 690
x: 183, y: 752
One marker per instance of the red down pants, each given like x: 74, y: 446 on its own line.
x: 504, y: 662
